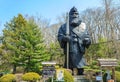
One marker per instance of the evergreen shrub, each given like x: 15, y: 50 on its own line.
x: 68, y: 76
x: 8, y: 78
x: 117, y: 76
x: 31, y: 76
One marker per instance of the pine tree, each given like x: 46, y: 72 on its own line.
x: 10, y: 39
x: 34, y: 49
x: 24, y: 44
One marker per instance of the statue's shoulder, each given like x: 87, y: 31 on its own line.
x: 63, y: 27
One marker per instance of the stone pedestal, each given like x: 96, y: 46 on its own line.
x: 80, y: 78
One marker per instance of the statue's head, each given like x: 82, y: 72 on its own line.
x: 74, y: 17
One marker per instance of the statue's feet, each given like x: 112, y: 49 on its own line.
x: 80, y: 71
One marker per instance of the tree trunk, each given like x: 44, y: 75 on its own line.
x: 14, y: 69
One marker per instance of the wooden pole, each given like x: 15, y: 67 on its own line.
x: 67, y: 34
x: 113, y: 74
x: 101, y: 73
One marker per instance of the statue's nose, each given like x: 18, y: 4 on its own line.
x: 75, y: 15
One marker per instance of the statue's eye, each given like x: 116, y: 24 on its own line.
x: 72, y: 13
x: 75, y: 13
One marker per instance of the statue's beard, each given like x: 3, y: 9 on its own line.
x: 74, y: 21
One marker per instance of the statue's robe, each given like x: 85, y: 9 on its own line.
x: 76, y: 46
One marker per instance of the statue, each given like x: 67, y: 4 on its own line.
x: 78, y: 39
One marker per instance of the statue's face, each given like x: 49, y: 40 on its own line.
x: 74, y: 15
x: 74, y: 18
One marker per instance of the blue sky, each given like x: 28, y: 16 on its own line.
x: 48, y: 9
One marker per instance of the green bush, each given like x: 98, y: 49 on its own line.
x: 117, y: 68
x: 31, y: 76
x: 105, y: 77
x: 8, y: 78
x: 68, y: 76
x: 117, y: 75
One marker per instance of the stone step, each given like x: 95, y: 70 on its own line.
x: 80, y: 78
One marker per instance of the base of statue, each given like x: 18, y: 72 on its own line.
x: 80, y: 78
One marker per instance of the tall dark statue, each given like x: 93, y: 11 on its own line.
x: 78, y: 39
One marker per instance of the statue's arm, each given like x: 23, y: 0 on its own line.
x: 61, y: 35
